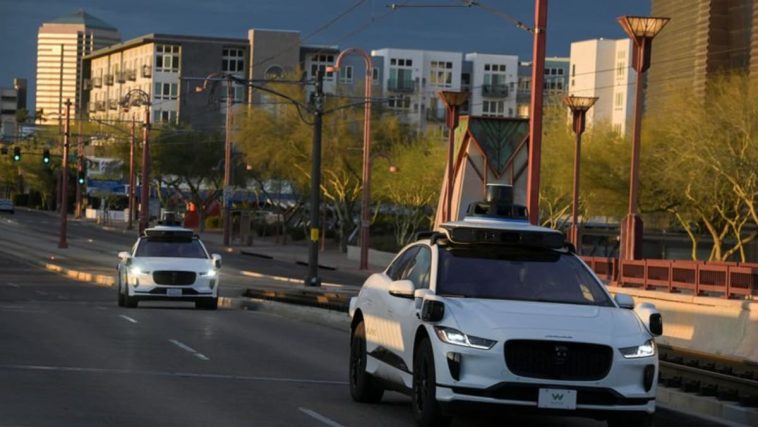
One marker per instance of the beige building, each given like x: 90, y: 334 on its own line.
x: 61, y: 45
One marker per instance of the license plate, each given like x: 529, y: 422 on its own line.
x: 174, y: 292
x: 556, y: 398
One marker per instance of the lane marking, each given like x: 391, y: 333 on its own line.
x: 320, y: 417
x: 43, y: 368
x: 127, y: 318
x: 13, y: 285
x: 189, y: 349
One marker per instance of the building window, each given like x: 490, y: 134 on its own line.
x: 441, y: 74
x: 493, y: 108
x: 619, y: 101
x: 573, y: 70
x: 401, y: 62
x: 375, y: 72
x: 274, y: 72
x: 620, y: 67
x: 560, y: 71
x: 167, y: 58
x: 165, y: 90
x: 401, y: 75
x: 346, y: 74
x: 319, y: 63
x: 161, y: 116
x: 233, y: 60
x: 399, y: 102
x: 494, y: 80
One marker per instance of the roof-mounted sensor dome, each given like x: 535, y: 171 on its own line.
x: 498, y: 205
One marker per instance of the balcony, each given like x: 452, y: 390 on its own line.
x: 99, y: 105
x: 131, y: 75
x: 108, y: 79
x: 97, y: 82
x: 121, y: 77
x: 495, y: 90
x: 405, y: 86
x: 147, y: 71
x: 113, y: 104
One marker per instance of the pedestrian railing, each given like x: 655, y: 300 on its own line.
x: 702, y: 278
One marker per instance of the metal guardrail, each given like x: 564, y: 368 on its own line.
x: 727, y: 279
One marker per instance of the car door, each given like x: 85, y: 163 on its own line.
x: 418, y: 272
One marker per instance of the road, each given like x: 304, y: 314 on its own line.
x: 70, y: 357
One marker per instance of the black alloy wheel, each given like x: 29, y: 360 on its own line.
x: 363, y: 387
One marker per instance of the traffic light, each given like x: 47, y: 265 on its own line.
x: 46, y: 156
x: 16, y: 154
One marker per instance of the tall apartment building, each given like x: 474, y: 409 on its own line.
x: 493, y: 80
x: 273, y: 54
x: 602, y: 68
x: 168, y: 68
x: 61, y: 45
x: 12, y: 99
x: 555, y: 84
x: 704, y: 38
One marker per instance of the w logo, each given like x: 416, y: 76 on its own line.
x: 557, y: 396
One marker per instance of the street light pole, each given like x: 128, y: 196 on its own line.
x: 64, y: 179
x: 578, y: 106
x: 641, y: 30
x: 228, y: 163
x: 366, y: 176
x: 535, y: 111
x: 145, y: 190
x: 131, y: 175
x: 313, y: 278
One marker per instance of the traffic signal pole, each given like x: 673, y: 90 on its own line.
x: 64, y: 178
x: 313, y: 279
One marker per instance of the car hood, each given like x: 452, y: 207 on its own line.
x: 180, y: 264
x: 498, y: 319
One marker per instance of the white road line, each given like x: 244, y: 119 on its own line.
x: 127, y: 318
x: 13, y: 285
x: 168, y: 374
x: 189, y: 349
x: 320, y: 417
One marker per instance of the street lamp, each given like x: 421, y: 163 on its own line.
x: 366, y: 177
x: 140, y: 97
x: 641, y: 30
x: 227, y: 149
x: 453, y: 102
x: 578, y: 106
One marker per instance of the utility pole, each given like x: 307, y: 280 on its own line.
x: 145, y: 193
x: 64, y: 178
x: 131, y: 175
x: 318, y: 110
x: 535, y: 111
x: 79, y: 140
x: 228, y: 163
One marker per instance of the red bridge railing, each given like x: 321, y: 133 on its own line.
x: 725, y: 279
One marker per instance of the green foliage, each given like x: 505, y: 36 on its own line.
x: 213, y: 222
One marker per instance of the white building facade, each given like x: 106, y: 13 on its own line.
x: 602, y: 68
x: 493, y: 83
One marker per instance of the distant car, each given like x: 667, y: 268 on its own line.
x: 6, y: 205
x: 168, y: 263
x: 494, y: 311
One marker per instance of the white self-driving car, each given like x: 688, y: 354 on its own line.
x: 168, y: 263
x: 498, y: 312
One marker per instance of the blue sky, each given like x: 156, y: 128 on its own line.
x: 369, y: 25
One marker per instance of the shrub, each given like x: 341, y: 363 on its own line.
x: 213, y: 222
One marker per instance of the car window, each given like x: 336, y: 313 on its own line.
x: 517, y: 274
x: 164, y: 249
x: 397, y: 270
x: 418, y: 271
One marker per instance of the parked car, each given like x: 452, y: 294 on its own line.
x: 168, y: 263
x: 6, y: 205
x: 494, y: 311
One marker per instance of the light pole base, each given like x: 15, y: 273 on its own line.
x: 630, y: 244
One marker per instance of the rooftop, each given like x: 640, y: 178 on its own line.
x: 81, y: 17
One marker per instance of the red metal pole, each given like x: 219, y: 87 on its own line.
x: 64, y: 178
x: 535, y: 111
x: 145, y: 191
x: 228, y: 163
x: 131, y: 175
x: 574, y: 229
x: 451, y: 112
x: 366, y: 196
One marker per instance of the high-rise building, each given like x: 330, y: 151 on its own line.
x: 61, y: 45
x: 705, y: 38
x: 602, y: 68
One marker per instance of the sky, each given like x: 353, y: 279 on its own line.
x: 368, y: 24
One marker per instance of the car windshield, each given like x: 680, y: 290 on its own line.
x: 517, y: 274
x: 170, y: 249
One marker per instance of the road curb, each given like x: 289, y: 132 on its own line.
x: 707, y: 408
x: 82, y: 276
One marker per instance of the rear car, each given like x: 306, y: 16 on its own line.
x: 6, y: 205
x: 168, y: 264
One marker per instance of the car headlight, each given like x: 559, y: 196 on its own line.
x: 456, y: 337
x: 136, y: 271
x: 209, y: 273
x: 645, y: 350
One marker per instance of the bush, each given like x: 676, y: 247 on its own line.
x: 213, y: 222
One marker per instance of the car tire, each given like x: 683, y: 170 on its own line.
x: 631, y: 419
x: 121, y: 298
x: 209, y: 304
x: 363, y: 386
x: 130, y: 302
x: 426, y: 409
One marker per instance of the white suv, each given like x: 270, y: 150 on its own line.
x: 502, y: 313
x: 168, y: 263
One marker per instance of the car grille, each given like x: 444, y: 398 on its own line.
x: 558, y: 360
x: 174, y: 278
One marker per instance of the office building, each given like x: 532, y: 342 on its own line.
x: 61, y: 45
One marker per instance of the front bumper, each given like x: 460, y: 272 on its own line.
x: 144, y: 288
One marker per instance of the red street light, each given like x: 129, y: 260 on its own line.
x: 366, y: 176
x: 453, y: 102
x: 578, y: 106
x: 641, y: 30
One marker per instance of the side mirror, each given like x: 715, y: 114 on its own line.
x: 402, y: 289
x: 650, y: 317
x: 123, y: 255
x: 216, y: 260
x: 625, y: 301
x: 432, y: 310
